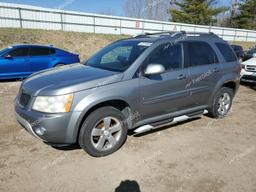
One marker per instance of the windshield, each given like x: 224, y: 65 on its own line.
x: 118, y: 56
x: 4, y: 51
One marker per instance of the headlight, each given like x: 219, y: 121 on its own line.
x: 53, y: 104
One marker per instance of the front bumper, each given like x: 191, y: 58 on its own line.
x: 58, y: 128
x: 247, y: 76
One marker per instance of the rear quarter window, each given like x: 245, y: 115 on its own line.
x: 226, y: 52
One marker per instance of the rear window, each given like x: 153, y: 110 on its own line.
x: 226, y: 52
x: 199, y: 53
x: 39, y: 51
x: 52, y: 51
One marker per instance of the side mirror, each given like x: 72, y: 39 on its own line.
x: 7, y: 56
x: 154, y: 69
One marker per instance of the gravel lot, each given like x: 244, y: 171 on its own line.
x: 201, y: 155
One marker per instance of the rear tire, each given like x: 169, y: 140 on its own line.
x: 222, y: 103
x: 59, y: 65
x: 103, y: 132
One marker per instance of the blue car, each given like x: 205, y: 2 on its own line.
x: 20, y: 61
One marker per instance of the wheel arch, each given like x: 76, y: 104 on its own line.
x: 119, y: 104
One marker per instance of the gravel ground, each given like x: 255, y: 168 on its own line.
x: 201, y: 155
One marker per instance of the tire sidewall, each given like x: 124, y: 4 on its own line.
x: 216, y: 99
x: 88, y: 125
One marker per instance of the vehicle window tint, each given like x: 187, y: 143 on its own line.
x: 199, y: 53
x: 121, y: 53
x: 170, y: 56
x: 52, y: 51
x: 39, y: 51
x: 226, y: 52
x: 118, y: 56
x: 19, y: 52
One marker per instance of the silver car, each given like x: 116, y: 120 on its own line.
x: 137, y: 84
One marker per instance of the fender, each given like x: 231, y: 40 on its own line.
x: 229, y: 77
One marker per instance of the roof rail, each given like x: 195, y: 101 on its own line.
x: 171, y: 33
x: 201, y: 34
x: 174, y: 34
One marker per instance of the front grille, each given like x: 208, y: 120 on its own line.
x: 24, y: 99
x: 250, y: 68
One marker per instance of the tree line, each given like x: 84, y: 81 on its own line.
x: 237, y: 14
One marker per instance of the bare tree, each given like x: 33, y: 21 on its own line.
x: 147, y: 9
x: 107, y: 11
x: 133, y: 8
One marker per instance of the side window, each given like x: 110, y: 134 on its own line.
x: 226, y: 52
x: 19, y: 52
x: 170, y: 56
x: 199, y: 53
x: 39, y: 51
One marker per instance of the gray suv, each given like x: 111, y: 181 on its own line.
x: 136, y: 84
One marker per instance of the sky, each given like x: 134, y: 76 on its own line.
x: 89, y: 6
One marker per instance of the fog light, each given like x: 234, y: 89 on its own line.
x: 40, y: 131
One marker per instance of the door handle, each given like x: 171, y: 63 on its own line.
x: 181, y: 77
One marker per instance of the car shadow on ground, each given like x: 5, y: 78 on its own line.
x: 128, y: 186
x: 66, y: 148
x: 249, y: 85
x: 10, y: 80
x: 130, y: 133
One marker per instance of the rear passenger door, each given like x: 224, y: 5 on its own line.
x: 204, y: 68
x: 40, y: 58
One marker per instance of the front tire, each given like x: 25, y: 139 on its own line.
x: 222, y: 103
x: 103, y: 132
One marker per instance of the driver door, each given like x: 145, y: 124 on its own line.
x: 15, y: 63
x: 165, y: 93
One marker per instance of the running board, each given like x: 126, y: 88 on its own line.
x: 175, y: 120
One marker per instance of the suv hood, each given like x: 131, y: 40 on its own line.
x: 68, y: 79
x: 251, y: 61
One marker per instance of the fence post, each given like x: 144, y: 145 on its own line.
x: 247, y: 36
x: 61, y: 21
x: 235, y: 36
x: 120, y: 25
x: 94, y: 27
x: 20, y: 19
x: 143, y: 23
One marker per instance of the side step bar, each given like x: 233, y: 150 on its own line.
x: 175, y: 120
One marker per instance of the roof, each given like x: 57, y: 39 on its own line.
x: 31, y: 45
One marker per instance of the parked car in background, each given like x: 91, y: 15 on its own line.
x: 248, y: 73
x: 250, y: 54
x: 139, y: 83
x: 19, y: 61
x: 238, y: 49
